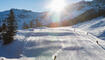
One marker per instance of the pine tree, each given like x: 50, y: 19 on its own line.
x: 4, y: 27
x: 25, y: 26
x: 32, y: 24
x: 0, y: 29
x: 8, y: 37
x: 38, y: 24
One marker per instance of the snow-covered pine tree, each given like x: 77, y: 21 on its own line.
x: 8, y: 36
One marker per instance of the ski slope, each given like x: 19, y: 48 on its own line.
x: 95, y: 26
x: 65, y: 43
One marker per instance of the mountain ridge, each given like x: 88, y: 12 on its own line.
x: 72, y: 14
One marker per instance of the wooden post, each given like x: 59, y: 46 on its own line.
x: 97, y: 42
x: 54, y: 57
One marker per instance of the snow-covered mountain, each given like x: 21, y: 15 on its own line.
x: 96, y: 25
x: 71, y: 12
x: 22, y: 16
x: 76, y: 9
x: 84, y: 11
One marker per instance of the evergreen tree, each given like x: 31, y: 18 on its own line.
x: 38, y: 24
x: 25, y: 26
x: 32, y: 24
x: 8, y: 36
x: 4, y: 27
x: 3, y: 30
x: 0, y: 29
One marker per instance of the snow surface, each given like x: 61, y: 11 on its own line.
x: 95, y: 27
x: 66, y: 43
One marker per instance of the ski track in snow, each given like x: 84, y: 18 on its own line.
x: 64, y: 43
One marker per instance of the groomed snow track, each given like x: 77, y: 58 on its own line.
x: 64, y: 43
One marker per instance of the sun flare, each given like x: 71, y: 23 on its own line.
x: 57, y: 5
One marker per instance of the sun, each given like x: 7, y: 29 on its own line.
x: 57, y: 5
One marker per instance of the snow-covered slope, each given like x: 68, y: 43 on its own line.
x: 65, y: 43
x: 95, y: 27
x: 76, y: 9
x: 83, y: 11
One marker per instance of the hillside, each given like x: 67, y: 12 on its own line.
x: 43, y: 44
x: 96, y: 27
x: 27, y: 16
x: 84, y: 11
x: 72, y: 12
x: 22, y: 16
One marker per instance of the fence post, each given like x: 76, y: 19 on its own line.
x: 97, y: 42
x: 54, y: 57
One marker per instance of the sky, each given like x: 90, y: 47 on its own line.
x: 34, y: 5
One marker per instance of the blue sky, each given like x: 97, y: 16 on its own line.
x: 34, y: 5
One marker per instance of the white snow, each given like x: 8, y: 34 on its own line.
x: 66, y: 43
x: 95, y: 27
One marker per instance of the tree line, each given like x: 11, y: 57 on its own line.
x: 33, y: 24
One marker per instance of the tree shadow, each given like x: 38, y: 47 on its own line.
x: 12, y: 50
x: 28, y: 48
x: 52, y: 34
x: 73, y: 48
x: 33, y: 49
x: 35, y: 52
x: 101, y: 46
x: 102, y: 35
x: 100, y: 24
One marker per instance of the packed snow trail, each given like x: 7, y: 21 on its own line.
x: 64, y: 43
x: 68, y: 45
